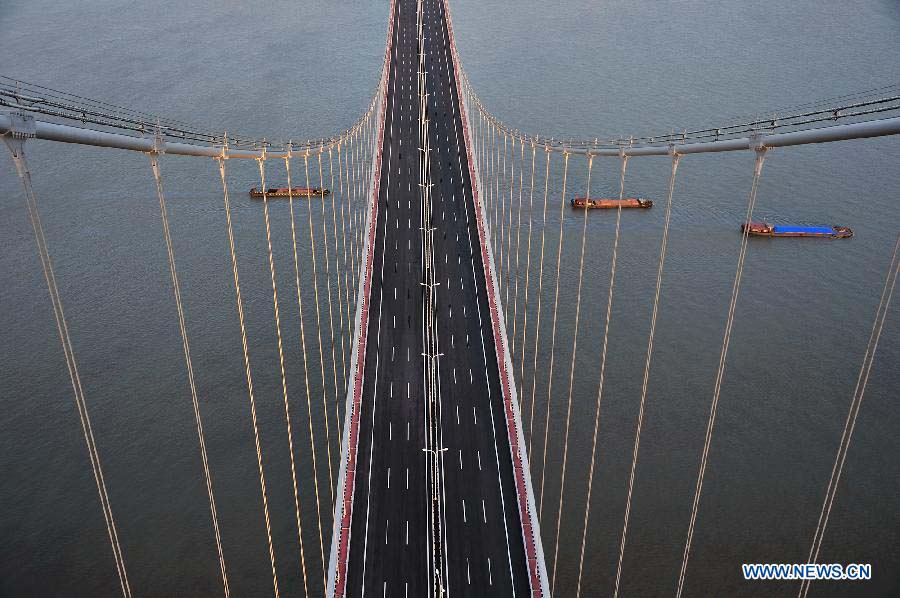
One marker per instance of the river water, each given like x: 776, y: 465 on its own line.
x: 576, y: 68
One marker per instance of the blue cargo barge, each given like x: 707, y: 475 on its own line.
x: 762, y: 229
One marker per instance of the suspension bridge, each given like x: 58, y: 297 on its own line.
x: 433, y: 357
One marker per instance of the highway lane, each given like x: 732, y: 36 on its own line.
x: 390, y: 531
x: 483, y: 532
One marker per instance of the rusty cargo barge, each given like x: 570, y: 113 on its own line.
x: 604, y: 203
x: 290, y: 192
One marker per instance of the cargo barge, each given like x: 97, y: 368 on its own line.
x: 608, y: 203
x: 290, y: 192
x: 763, y: 229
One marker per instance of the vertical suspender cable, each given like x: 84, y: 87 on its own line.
x: 312, y: 241
x: 354, y: 210
x: 496, y: 199
x: 337, y: 270
x: 359, y: 189
x: 357, y: 149
x: 351, y: 210
x: 359, y: 197
x: 482, y: 152
x: 324, y: 392
x: 346, y: 222
x: 481, y: 149
x: 358, y: 145
x: 612, y: 277
x: 495, y: 161
x: 503, y: 274
x: 312, y: 437
x: 676, y: 158
x: 527, y: 269
x: 284, y: 391
x: 182, y: 326
x: 475, y: 123
x: 240, y: 308
x: 16, y: 148
x: 562, y: 206
x: 509, y: 257
x: 334, y: 374
x: 562, y: 479
x: 372, y: 141
x: 537, y: 324
x: 855, y: 403
x: 352, y: 207
x: 488, y: 180
x: 365, y: 166
x: 348, y: 206
x: 757, y: 173
x: 515, y: 318
x: 509, y: 217
x: 502, y: 220
x: 485, y: 154
x: 474, y: 140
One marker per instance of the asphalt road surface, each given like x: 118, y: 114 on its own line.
x: 390, y: 531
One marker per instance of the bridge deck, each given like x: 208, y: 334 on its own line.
x: 389, y: 528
